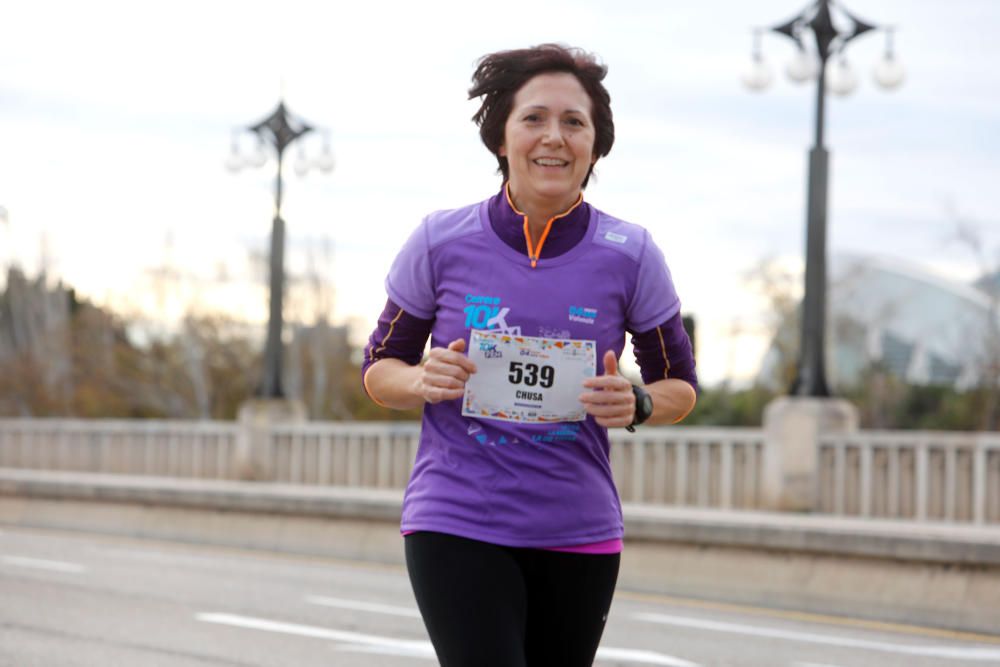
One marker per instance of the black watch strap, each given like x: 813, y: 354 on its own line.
x: 643, y: 407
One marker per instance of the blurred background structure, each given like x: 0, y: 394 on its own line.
x: 716, y: 175
x: 812, y: 61
x: 159, y: 353
x: 279, y: 130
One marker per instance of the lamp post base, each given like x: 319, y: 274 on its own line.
x: 256, y: 417
x: 792, y: 427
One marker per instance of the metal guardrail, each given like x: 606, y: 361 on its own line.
x: 922, y: 475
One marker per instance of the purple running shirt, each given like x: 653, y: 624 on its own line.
x: 524, y: 485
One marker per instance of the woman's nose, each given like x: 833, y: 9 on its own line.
x: 553, y: 133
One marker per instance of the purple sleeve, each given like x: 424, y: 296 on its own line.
x: 655, y: 300
x: 665, y: 352
x: 410, y: 282
x: 398, y: 335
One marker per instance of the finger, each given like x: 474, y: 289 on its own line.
x: 612, y: 423
x: 444, y: 381
x: 619, y: 398
x: 449, y: 366
x: 453, y: 355
x: 610, y: 412
x: 458, y: 346
x: 438, y: 394
x: 609, y: 383
x: 610, y: 363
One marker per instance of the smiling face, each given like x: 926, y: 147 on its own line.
x: 549, y: 142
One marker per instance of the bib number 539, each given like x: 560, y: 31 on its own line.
x: 531, y: 374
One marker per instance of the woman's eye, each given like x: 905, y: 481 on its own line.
x: 575, y: 121
x: 532, y: 118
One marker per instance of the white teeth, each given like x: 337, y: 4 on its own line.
x: 550, y: 162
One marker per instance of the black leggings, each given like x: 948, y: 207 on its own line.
x: 487, y: 605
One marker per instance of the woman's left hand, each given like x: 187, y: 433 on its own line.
x: 610, y: 400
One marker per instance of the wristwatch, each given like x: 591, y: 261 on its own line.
x: 643, y: 407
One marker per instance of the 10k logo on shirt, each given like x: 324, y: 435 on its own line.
x: 484, y: 312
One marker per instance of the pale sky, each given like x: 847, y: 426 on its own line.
x: 116, y: 120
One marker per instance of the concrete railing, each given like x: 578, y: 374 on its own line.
x: 907, y: 475
x: 131, y: 447
x: 373, y: 455
x: 673, y: 466
x: 921, y: 475
x: 690, y: 466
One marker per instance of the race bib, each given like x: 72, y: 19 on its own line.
x: 526, y: 379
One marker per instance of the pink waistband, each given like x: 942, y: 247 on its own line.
x: 614, y: 546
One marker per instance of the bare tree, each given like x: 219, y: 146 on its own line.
x: 779, y: 287
x: 969, y: 234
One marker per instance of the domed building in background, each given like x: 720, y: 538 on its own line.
x: 889, y: 314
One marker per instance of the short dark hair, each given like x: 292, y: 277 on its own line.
x: 500, y: 75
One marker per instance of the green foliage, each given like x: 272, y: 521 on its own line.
x: 887, y: 403
x: 78, y: 361
x: 723, y: 407
x: 884, y: 402
x: 88, y: 367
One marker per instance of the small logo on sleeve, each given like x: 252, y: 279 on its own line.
x: 616, y: 238
x: 584, y: 315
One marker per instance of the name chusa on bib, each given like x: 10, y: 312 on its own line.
x: 527, y: 379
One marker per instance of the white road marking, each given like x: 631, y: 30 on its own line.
x: 42, y: 564
x: 313, y: 631
x: 631, y: 655
x: 390, y: 645
x: 647, y: 657
x: 390, y: 650
x: 358, y: 605
x: 955, y: 652
x: 616, y: 655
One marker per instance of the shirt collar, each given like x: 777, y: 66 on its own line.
x: 564, y: 233
x: 504, y: 216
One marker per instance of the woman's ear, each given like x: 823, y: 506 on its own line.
x: 502, y: 151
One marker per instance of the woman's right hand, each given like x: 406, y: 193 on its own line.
x: 443, y: 375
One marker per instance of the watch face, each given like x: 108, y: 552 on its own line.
x: 647, y: 405
x: 643, y: 405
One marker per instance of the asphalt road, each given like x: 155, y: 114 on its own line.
x: 69, y: 600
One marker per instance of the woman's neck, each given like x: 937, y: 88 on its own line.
x: 539, y: 212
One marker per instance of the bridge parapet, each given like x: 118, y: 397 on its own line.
x: 909, y: 475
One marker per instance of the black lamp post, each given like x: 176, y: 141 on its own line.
x: 830, y: 42
x: 280, y: 130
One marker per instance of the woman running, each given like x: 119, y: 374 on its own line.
x: 512, y: 522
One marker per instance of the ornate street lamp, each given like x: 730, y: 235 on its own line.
x: 279, y: 130
x: 833, y: 27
